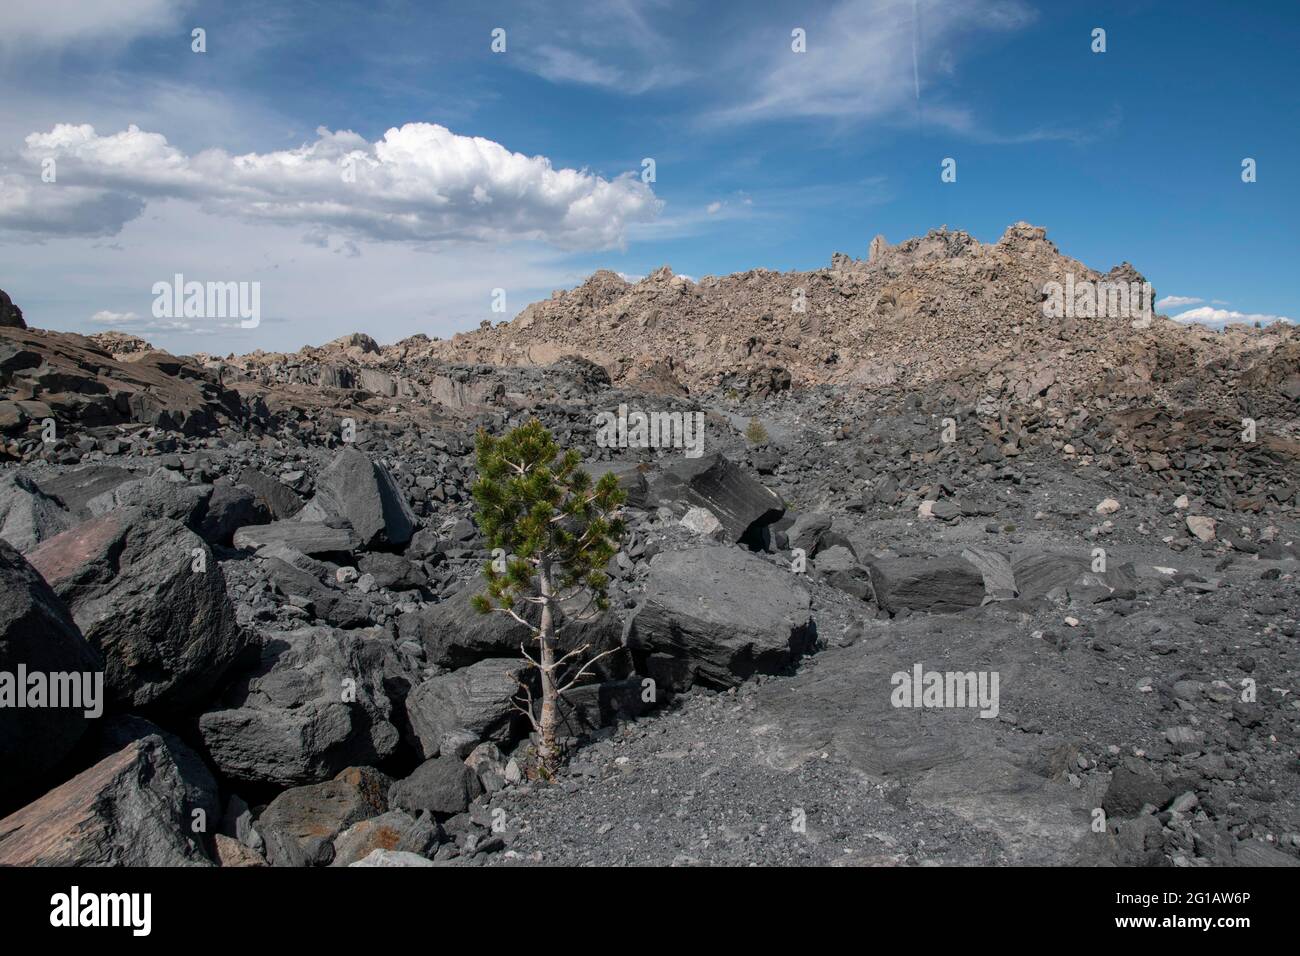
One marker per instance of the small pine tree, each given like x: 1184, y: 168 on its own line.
x: 559, y: 530
x: 755, y: 432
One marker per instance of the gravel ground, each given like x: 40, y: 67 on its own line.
x: 697, y: 785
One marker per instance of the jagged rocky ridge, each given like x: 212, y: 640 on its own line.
x: 328, y: 563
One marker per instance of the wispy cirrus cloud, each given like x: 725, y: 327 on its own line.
x: 1177, y: 301
x: 568, y: 66
x: 109, y: 321
x: 35, y: 27
x: 620, y: 45
x: 864, y: 60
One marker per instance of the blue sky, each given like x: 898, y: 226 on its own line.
x: 521, y: 170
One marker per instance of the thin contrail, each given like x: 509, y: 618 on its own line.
x: 916, y: 26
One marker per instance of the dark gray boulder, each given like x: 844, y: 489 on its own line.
x: 151, y: 597
x: 325, y: 603
x: 15, y: 357
x: 36, y: 631
x: 305, y: 537
x: 1132, y: 786
x: 316, y: 701
x: 838, y: 567
x: 631, y: 478
x: 363, y: 492
x: 885, y: 491
x: 803, y: 530
x: 588, y: 707
x: 598, y: 631
x: 282, y: 850
x: 313, y: 814
x: 443, y: 786
x: 27, y: 515
x: 742, y: 503
x: 393, y: 571
x: 455, y: 635
x: 230, y: 508
x: 75, y: 489
x: 11, y: 317
x: 476, y: 700
x: 937, y: 585
x: 279, y: 499
x: 807, y: 530
x: 1038, y: 572
x: 726, y: 611
x: 132, y: 808
x: 196, y: 780
x: 999, y: 578
x: 160, y: 495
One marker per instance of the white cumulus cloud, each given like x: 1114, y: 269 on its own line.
x: 1218, y: 318
x: 421, y: 183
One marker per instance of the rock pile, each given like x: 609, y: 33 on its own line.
x: 268, y: 562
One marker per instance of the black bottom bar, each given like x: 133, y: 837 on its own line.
x: 304, y: 906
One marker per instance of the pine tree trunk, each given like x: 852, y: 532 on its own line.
x: 550, y: 718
